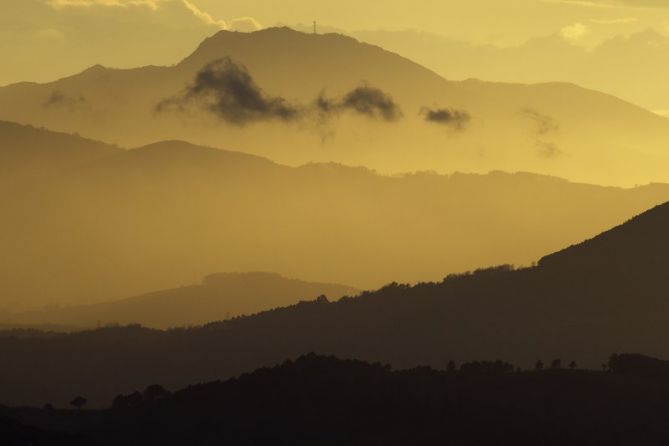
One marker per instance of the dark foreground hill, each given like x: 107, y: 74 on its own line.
x: 606, y: 295
x: 13, y: 433
x: 317, y: 400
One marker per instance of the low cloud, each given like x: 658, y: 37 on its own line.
x: 608, y: 4
x: 364, y: 100
x: 153, y: 4
x: 544, y: 124
x: 60, y: 99
x: 545, y: 127
x: 575, y: 32
x: 228, y: 91
x: 634, y: 3
x: 548, y: 149
x: 372, y: 102
x: 203, y: 16
x: 456, y: 119
x: 585, y: 3
x: 619, y: 21
x: 246, y: 24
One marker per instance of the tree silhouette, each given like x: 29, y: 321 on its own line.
x: 451, y: 367
x: 381, y: 405
x: 127, y: 401
x: 486, y: 367
x: 156, y: 392
x: 78, y: 402
x: 572, y: 365
x: 539, y: 365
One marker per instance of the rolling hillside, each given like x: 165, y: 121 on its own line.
x: 112, y: 223
x: 218, y: 297
x: 582, y: 309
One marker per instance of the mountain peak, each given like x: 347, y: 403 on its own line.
x: 225, y: 43
x: 40, y: 145
x: 274, y: 32
x: 298, y: 66
x: 97, y: 68
x: 182, y: 151
x: 250, y: 277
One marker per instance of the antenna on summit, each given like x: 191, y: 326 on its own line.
x: 315, y: 27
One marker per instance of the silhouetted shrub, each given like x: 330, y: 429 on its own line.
x: 156, y: 392
x: 78, y: 402
x: 127, y: 401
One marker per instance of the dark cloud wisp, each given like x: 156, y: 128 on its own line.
x: 544, y: 123
x: 457, y: 119
x: 60, y: 99
x: 544, y: 129
x: 548, y: 149
x: 372, y: 102
x: 228, y: 91
x: 364, y: 100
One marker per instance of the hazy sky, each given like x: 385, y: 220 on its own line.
x: 45, y: 39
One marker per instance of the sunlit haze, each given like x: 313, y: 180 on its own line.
x: 308, y: 222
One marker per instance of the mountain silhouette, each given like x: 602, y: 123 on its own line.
x: 544, y: 59
x: 637, y: 249
x: 562, y: 308
x: 302, y: 98
x: 218, y: 297
x: 111, y: 223
x: 28, y: 150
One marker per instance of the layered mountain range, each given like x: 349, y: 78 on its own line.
x: 87, y: 222
x: 583, y: 303
x: 297, y: 98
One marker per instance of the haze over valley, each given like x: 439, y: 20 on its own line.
x: 130, y: 222
x: 232, y: 222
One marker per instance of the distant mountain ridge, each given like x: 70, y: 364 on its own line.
x: 27, y: 148
x: 545, y: 59
x: 219, y: 297
x: 111, y: 223
x: 553, y: 128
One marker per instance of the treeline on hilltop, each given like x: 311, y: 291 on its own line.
x: 525, y: 315
x: 327, y: 401
x: 630, y: 364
